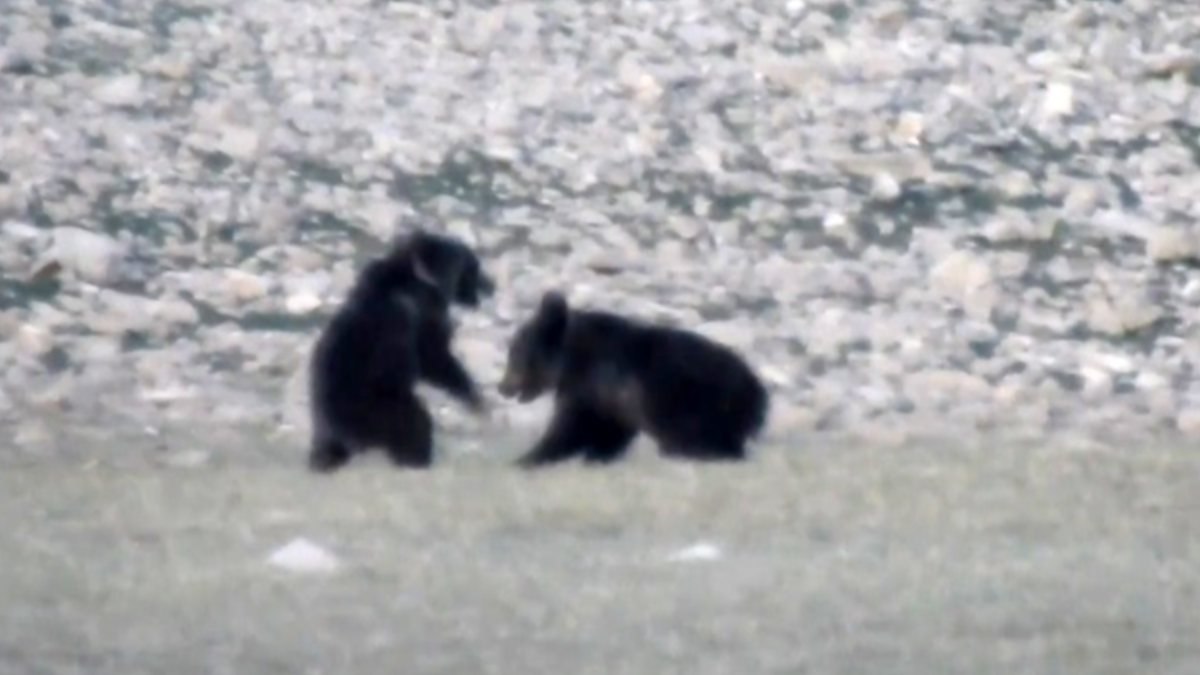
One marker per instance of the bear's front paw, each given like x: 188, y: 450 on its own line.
x: 479, y: 406
x: 530, y: 462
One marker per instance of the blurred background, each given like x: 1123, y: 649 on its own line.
x: 957, y: 239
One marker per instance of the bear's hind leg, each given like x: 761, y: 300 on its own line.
x: 408, y: 437
x: 609, y: 442
x: 704, y: 449
x: 327, y: 454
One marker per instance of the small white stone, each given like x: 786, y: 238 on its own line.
x: 245, y: 286
x: 176, y: 311
x: 836, y: 225
x: 302, y: 302
x: 968, y: 279
x: 1149, y: 380
x: 94, y: 257
x: 1191, y: 290
x: 1117, y: 363
x: 885, y: 187
x: 909, y: 127
x: 166, y: 393
x: 239, y: 142
x: 302, y: 556
x: 34, y: 340
x: 123, y: 90
x: 698, y: 552
x: 1188, y: 422
x: 1166, y: 244
x: 1058, y: 100
x: 1097, y: 383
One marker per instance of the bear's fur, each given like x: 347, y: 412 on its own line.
x: 614, y: 376
x: 393, y: 329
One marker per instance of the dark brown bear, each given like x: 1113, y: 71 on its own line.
x: 614, y: 376
x: 393, y: 330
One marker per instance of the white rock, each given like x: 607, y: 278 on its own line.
x: 34, y: 340
x: 1097, y: 383
x: 909, y: 128
x: 968, y: 279
x: 244, y: 286
x: 176, y: 311
x: 684, y: 227
x: 93, y: 256
x: 1166, y: 244
x: 1188, y: 422
x: 304, y: 557
x: 21, y: 232
x: 238, y: 142
x: 302, y: 302
x: 1191, y: 290
x: 382, y: 218
x: 122, y: 90
x: 837, y: 225
x: 1150, y: 380
x: 1117, y: 363
x: 698, y: 552
x: 884, y: 187
x: 1058, y: 100
x: 1125, y: 315
x: 166, y: 393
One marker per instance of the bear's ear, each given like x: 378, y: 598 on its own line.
x: 552, y: 315
x: 437, y: 264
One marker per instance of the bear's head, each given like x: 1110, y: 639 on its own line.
x: 448, y: 264
x: 535, y: 353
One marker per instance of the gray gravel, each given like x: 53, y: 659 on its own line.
x: 967, y: 219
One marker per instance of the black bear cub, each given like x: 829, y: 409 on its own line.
x: 393, y: 329
x: 614, y: 376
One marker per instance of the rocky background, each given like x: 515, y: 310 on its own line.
x: 916, y: 218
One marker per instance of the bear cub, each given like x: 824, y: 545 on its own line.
x: 393, y: 329
x: 614, y: 376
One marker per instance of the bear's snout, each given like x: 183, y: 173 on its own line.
x: 508, y: 385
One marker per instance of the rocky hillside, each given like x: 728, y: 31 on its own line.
x: 916, y: 217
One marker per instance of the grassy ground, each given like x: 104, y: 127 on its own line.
x: 849, y: 560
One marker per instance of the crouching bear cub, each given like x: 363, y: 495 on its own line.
x: 613, y: 377
x: 393, y: 330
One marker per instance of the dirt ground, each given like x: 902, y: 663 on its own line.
x: 832, y: 560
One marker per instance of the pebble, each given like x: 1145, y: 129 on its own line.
x: 120, y: 91
x: 1188, y: 422
x: 92, y: 256
x: 302, y: 556
x: 885, y: 187
x: 246, y: 287
x: 1059, y: 99
x: 239, y: 142
x: 699, y: 552
x: 302, y: 303
x: 1168, y: 244
x: 34, y: 340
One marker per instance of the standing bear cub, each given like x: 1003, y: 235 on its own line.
x: 613, y: 377
x: 393, y: 329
